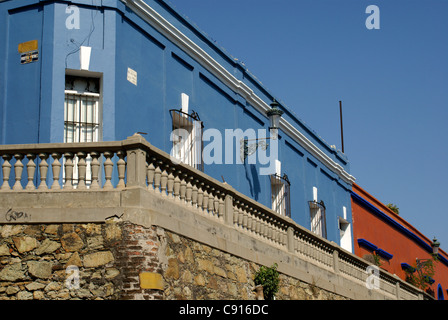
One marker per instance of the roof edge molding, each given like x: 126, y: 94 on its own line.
x: 151, y: 16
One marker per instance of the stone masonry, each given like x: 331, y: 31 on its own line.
x: 34, y: 261
x: 197, y: 271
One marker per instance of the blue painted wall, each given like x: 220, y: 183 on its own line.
x: 32, y: 95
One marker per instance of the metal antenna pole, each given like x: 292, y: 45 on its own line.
x: 342, y: 126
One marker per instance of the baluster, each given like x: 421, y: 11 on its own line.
x: 295, y: 243
x: 262, y: 224
x: 258, y: 224
x: 82, y: 170
x: 320, y: 256
x: 284, y: 235
x: 31, y: 169
x: 279, y: 234
x: 274, y: 231
x: 313, y: 249
x: 43, y: 169
x: 306, y: 246
x: 108, y: 169
x: 205, y: 200
x: 301, y: 244
x: 211, y: 201
x: 249, y: 219
x: 216, y: 204
x: 183, y: 187
x: 150, y: 173
x: 95, y: 168
x: 194, y: 193
x: 170, y: 183
x: 254, y: 220
x: 121, y: 167
x: 6, y: 168
x: 157, y: 176
x: 164, y: 180
x: 18, y: 169
x: 241, y: 216
x: 298, y: 242
x: 245, y: 217
x: 236, y: 213
x: 177, y: 186
x: 68, y: 184
x: 189, y: 191
x: 221, y: 208
x: 56, y: 168
x: 270, y: 231
x: 200, y: 196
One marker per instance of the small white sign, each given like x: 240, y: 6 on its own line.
x: 132, y: 76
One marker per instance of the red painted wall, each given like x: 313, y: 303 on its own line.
x: 367, y: 225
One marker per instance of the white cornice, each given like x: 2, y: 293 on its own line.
x: 152, y: 17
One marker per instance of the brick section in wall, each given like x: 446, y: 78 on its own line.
x: 138, y: 253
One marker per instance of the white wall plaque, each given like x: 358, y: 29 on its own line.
x: 132, y: 76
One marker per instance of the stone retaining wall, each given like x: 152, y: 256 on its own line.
x: 197, y: 271
x: 36, y: 260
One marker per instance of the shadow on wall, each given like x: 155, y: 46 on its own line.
x: 253, y: 180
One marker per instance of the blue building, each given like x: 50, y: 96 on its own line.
x: 101, y: 70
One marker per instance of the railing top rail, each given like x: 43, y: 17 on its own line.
x: 61, y: 147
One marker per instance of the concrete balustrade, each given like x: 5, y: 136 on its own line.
x: 132, y: 166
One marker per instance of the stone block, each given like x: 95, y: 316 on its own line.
x: 74, y: 260
x: 47, y: 246
x: 40, y: 269
x: 4, y: 250
x: 13, y: 272
x: 24, y: 295
x: 72, y: 242
x: 97, y: 259
x: 34, y: 286
x: 25, y: 243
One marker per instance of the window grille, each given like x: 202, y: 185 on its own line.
x: 318, y: 219
x: 280, y: 187
x: 187, y: 138
x: 81, y: 117
x: 81, y: 123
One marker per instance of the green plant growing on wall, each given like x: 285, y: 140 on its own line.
x: 393, y: 207
x: 269, y: 279
x: 373, y: 258
x: 419, y: 277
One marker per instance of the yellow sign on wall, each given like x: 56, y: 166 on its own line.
x: 150, y: 280
x: 28, y: 46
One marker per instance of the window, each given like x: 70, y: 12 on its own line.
x: 187, y: 136
x: 345, y: 231
x: 81, y: 116
x: 317, y: 216
x: 81, y: 111
x: 280, y: 187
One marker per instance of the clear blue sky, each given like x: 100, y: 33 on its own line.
x: 393, y: 83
